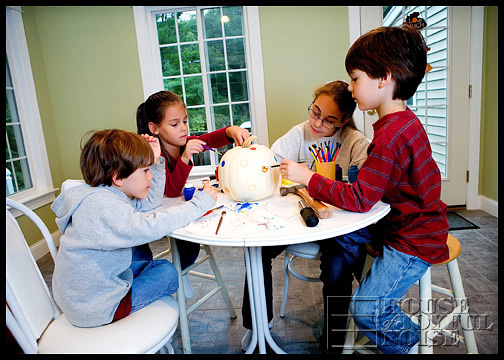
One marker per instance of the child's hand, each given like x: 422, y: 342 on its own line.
x: 193, y: 146
x: 154, y: 144
x: 293, y: 171
x: 210, y: 190
x: 238, y: 134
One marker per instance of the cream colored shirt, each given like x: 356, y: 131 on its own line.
x: 294, y: 145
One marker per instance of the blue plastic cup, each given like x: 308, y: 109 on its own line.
x: 189, y: 190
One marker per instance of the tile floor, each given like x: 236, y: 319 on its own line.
x: 213, y: 332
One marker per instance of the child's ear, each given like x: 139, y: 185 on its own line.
x: 117, y: 182
x: 385, y: 81
x: 153, y: 128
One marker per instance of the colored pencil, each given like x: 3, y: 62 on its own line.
x: 312, y: 153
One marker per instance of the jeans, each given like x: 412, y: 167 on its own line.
x: 374, y: 303
x: 152, y: 279
x: 188, y: 252
x: 342, y: 258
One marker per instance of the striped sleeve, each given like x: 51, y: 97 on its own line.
x: 378, y: 175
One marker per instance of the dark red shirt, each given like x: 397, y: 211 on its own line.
x: 177, y: 171
x: 399, y: 171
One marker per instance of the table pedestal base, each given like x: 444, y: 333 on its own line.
x: 259, y: 313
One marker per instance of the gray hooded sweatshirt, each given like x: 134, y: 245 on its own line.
x: 100, y: 226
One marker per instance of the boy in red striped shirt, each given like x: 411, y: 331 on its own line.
x: 385, y: 66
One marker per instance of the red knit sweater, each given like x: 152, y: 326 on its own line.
x: 177, y: 171
x: 399, y: 171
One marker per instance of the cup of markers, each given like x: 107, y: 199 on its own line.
x: 325, y: 158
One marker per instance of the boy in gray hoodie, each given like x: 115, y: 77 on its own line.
x: 97, y: 278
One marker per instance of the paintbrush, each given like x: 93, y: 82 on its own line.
x: 299, y: 162
x: 220, y: 222
x: 209, y: 148
x: 211, y: 211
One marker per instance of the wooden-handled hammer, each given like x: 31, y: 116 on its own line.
x: 322, y: 211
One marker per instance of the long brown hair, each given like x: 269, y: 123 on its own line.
x: 153, y: 109
x: 338, y: 90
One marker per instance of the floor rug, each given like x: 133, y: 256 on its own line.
x: 458, y: 222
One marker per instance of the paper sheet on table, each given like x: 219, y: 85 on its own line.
x: 240, y: 218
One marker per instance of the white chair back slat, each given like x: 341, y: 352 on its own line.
x: 26, y: 292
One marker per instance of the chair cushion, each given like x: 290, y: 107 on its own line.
x: 308, y: 250
x: 146, y: 330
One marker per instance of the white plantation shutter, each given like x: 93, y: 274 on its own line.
x: 430, y: 102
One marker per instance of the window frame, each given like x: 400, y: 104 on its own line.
x: 148, y: 50
x: 42, y: 192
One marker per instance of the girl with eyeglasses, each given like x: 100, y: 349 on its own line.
x: 330, y: 117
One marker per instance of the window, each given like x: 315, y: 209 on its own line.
x: 204, y: 55
x: 28, y: 178
x: 430, y: 102
x: 17, y: 177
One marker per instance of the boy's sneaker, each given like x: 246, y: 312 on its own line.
x: 245, y: 343
x: 188, y: 289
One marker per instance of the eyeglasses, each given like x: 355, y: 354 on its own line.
x: 314, y: 112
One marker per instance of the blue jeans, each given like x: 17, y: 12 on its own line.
x: 374, y: 303
x: 152, y: 279
x: 342, y: 258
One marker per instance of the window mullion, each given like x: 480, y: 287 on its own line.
x: 204, y: 76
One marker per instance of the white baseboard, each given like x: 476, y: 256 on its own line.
x: 40, y: 248
x: 490, y: 206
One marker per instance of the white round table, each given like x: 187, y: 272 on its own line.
x: 271, y: 221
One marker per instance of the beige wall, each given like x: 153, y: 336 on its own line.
x: 87, y: 75
x: 489, y: 146
x: 303, y: 48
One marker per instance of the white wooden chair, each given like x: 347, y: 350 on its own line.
x: 38, y: 326
x: 217, y: 277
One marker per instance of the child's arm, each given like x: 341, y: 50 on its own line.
x: 176, y: 180
x: 111, y: 223
x: 238, y: 134
x: 377, y: 176
x: 225, y: 136
x: 155, y: 195
x: 155, y: 146
x: 128, y: 227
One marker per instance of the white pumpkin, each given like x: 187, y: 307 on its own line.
x: 245, y: 173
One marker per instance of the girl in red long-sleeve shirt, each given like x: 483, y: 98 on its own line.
x: 386, y: 66
x: 164, y: 115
